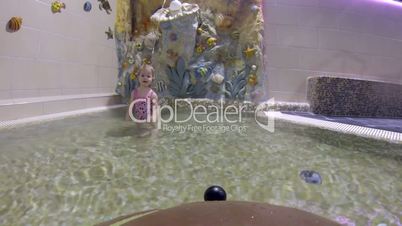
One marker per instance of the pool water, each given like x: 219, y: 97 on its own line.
x: 87, y: 169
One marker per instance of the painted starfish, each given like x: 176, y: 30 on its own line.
x: 249, y: 52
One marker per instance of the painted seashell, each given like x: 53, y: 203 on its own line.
x: 235, y: 34
x: 218, y: 19
x: 253, y: 76
x: 223, y: 21
x: 254, y: 8
x: 211, y: 42
x: 14, y: 24
x: 217, y: 78
x: 87, y: 6
x: 175, y: 5
x: 252, y: 81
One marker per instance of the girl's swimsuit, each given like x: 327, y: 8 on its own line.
x: 140, y: 107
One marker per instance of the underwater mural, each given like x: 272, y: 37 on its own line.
x: 199, y: 49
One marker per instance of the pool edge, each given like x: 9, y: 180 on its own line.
x: 56, y: 116
x: 366, y: 132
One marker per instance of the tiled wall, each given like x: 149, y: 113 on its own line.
x: 350, y: 38
x: 65, y: 53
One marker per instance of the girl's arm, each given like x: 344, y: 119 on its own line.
x: 155, y: 110
x: 128, y: 109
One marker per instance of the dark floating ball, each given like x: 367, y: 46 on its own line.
x: 310, y: 176
x: 215, y: 193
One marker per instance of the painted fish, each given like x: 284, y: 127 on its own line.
x: 104, y: 4
x: 202, y: 71
x: 87, y: 6
x: 57, y: 6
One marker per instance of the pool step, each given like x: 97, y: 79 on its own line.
x: 15, y: 109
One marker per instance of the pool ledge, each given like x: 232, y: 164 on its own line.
x: 55, y: 116
x: 377, y: 134
x: 15, y: 109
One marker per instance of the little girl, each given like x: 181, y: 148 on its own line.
x: 144, y: 98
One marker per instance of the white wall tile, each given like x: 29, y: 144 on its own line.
x: 318, y: 17
x: 287, y: 80
x: 10, y: 8
x: 340, y: 40
x: 107, y: 77
x: 5, y: 94
x: 23, y: 43
x: 49, y: 92
x: 356, y: 38
x: 282, y: 15
x: 24, y: 93
x: 341, y: 5
x: 12, y: 112
x: 385, y: 67
x: 54, y: 53
x: 333, y: 61
x: 8, y: 68
x: 26, y: 75
x: 279, y: 56
x: 298, y: 2
x: 62, y: 106
x: 290, y: 35
x: 287, y: 96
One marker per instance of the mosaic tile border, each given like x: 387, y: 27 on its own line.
x: 361, y: 131
x: 338, y: 96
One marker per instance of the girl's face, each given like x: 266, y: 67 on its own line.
x: 146, y: 77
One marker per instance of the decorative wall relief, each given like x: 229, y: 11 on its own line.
x: 199, y: 49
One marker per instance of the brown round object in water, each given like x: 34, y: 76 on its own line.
x: 224, y: 213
